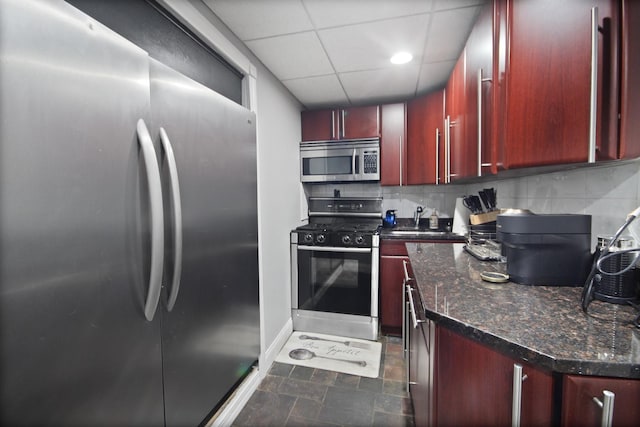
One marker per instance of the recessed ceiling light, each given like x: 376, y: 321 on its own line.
x: 401, y: 58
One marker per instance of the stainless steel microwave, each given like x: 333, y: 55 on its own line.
x: 340, y: 161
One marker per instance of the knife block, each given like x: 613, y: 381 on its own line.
x: 483, y: 218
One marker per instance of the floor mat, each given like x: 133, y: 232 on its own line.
x: 333, y: 353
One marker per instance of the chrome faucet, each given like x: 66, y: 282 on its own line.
x: 417, y: 214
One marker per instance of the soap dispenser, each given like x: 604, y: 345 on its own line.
x: 433, y: 220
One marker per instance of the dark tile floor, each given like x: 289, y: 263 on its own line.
x: 299, y: 396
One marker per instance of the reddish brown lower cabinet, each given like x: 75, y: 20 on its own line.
x: 579, y: 406
x: 419, y: 341
x: 475, y: 386
x: 392, y: 255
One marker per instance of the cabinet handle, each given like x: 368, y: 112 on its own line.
x: 343, y: 116
x: 406, y: 271
x: 333, y: 124
x: 607, y: 407
x: 480, y: 81
x: 437, y: 156
x: 447, y: 150
x: 400, y: 161
x: 479, y: 121
x: 516, y: 403
x: 593, y: 96
x: 412, y: 309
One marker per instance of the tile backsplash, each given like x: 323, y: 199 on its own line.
x: 607, y: 192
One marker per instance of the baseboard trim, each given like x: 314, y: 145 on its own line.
x: 236, y: 402
x: 269, y: 356
x: 231, y: 409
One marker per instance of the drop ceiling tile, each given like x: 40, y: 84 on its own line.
x: 332, y: 13
x: 448, y: 34
x: 385, y: 84
x: 251, y: 19
x: 317, y: 91
x: 369, y: 46
x: 434, y: 76
x: 292, y: 56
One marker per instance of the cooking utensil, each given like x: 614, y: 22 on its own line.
x: 473, y: 204
x: 361, y: 345
x: 304, y: 354
x: 491, y: 195
x: 484, y: 195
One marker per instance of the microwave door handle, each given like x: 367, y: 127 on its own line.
x: 353, y: 162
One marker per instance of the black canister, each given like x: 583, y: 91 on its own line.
x: 618, y: 288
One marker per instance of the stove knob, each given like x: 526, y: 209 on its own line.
x: 359, y: 240
x: 320, y: 238
x: 308, y: 238
x: 346, y: 239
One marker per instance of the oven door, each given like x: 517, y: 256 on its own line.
x: 336, y: 280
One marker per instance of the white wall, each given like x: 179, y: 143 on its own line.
x: 279, y: 203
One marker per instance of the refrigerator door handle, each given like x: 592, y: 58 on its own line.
x: 177, y: 218
x: 157, y: 220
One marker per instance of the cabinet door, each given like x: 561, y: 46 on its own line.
x: 425, y: 117
x: 319, y: 125
x: 474, y: 386
x: 479, y: 92
x: 393, y: 151
x: 360, y: 122
x: 391, y: 280
x: 462, y: 155
x: 420, y: 366
x: 630, y: 84
x: 580, y: 408
x: 548, y: 74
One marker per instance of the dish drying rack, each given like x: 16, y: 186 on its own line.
x: 483, y: 245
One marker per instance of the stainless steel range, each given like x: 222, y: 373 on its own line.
x: 334, y: 268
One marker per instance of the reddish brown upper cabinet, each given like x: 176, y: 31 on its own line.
x: 393, y: 145
x: 475, y: 386
x: 479, y: 93
x: 425, y: 150
x: 341, y: 123
x: 580, y: 408
x: 360, y: 122
x: 630, y: 80
x: 547, y: 49
x: 460, y: 158
x: 319, y: 125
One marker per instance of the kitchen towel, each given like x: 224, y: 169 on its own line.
x: 333, y: 353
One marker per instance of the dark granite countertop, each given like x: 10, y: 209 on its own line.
x: 446, y: 236
x: 543, y: 325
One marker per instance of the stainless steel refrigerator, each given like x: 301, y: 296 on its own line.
x: 128, y: 230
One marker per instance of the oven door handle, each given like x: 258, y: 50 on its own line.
x: 334, y: 249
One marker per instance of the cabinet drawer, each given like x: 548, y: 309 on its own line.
x: 393, y: 248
